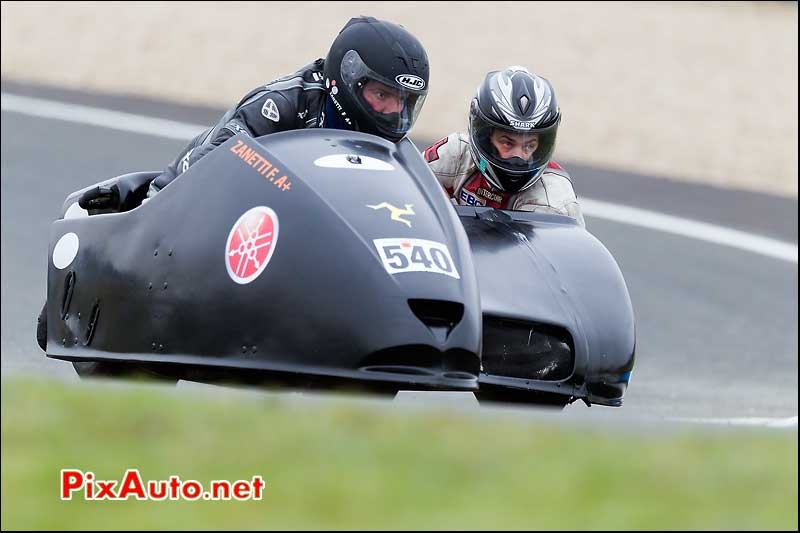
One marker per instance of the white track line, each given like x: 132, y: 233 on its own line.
x: 104, y: 118
x: 691, y: 228
x: 170, y: 129
x: 790, y: 422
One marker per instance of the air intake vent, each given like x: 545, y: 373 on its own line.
x: 440, y: 316
x: 526, y: 350
x: 417, y: 359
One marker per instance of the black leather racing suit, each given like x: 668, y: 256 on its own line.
x: 292, y: 102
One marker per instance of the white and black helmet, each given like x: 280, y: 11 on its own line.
x: 524, y: 105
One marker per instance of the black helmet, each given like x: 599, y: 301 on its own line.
x: 517, y: 110
x: 394, y: 61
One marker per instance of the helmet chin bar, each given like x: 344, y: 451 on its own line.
x: 527, y: 183
x: 491, y: 175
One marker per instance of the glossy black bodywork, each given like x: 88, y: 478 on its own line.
x: 323, y: 306
x: 149, y: 285
x: 549, y: 274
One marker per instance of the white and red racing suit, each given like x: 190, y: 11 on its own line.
x: 451, y: 161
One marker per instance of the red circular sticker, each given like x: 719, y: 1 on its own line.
x: 251, y: 243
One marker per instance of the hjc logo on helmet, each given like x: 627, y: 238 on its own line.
x: 410, y: 81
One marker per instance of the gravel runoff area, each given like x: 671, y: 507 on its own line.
x: 705, y: 92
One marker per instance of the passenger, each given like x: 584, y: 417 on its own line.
x: 505, y: 160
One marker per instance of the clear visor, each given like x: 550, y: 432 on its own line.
x: 513, y: 151
x: 392, y: 108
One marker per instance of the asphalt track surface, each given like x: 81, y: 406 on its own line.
x: 716, y: 325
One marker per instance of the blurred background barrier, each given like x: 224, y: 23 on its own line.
x: 690, y: 91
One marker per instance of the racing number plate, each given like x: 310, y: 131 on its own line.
x: 415, y: 255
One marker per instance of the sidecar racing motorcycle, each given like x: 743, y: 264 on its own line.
x: 326, y: 258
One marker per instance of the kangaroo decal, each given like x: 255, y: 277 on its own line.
x: 396, y: 211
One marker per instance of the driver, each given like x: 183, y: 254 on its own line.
x: 374, y: 80
x: 505, y: 161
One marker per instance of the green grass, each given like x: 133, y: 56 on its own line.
x: 349, y: 466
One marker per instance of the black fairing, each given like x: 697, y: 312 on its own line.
x: 551, y: 275
x: 150, y: 285
x: 540, y: 297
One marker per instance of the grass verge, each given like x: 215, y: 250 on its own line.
x: 345, y: 465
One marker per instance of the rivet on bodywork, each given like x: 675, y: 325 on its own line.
x: 254, y: 349
x: 155, y: 253
x: 165, y: 284
x: 149, y: 286
x: 79, y: 315
x: 170, y: 253
x: 75, y: 340
x: 64, y: 341
x: 244, y: 349
x: 160, y: 347
x: 66, y: 317
x: 153, y: 346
